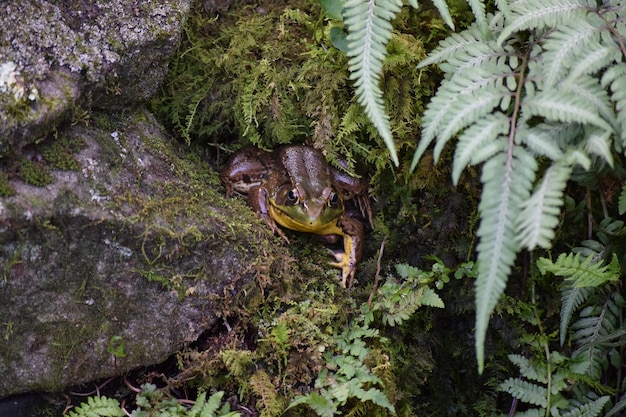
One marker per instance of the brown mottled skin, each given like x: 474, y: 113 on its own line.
x: 295, y: 188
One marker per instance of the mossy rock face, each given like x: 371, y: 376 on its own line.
x: 121, y: 263
x: 55, y: 56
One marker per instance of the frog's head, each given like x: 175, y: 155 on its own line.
x: 297, y: 208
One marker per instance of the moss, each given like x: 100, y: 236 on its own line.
x: 6, y: 190
x: 162, y: 214
x: 60, y: 153
x: 34, y: 173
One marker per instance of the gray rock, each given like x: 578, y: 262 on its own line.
x: 55, y: 55
x: 120, y: 264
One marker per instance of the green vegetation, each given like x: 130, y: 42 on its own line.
x: 35, y: 165
x: 523, y: 246
x: 153, y: 402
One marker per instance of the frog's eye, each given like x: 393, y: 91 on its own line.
x: 292, y: 197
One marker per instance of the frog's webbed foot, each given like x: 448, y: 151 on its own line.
x: 348, y: 267
x: 352, y: 250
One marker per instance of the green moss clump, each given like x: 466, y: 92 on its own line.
x: 35, y: 173
x: 59, y: 153
x: 5, y: 188
x: 275, y: 77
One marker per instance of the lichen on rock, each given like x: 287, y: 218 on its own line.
x: 137, y: 244
x: 56, y: 55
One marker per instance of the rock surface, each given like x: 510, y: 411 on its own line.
x: 56, y: 55
x: 130, y: 252
x: 120, y: 264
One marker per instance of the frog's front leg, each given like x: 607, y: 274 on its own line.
x: 352, y: 232
x: 258, y: 198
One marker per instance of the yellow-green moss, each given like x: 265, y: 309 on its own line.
x: 274, y: 77
x: 35, y: 173
x: 6, y: 190
x: 59, y: 153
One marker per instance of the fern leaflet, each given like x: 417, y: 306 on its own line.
x: 591, y: 91
x: 479, y: 142
x: 592, y: 61
x: 369, y: 30
x: 538, y: 14
x: 467, y: 109
x: 616, y: 78
x: 527, y: 370
x: 588, y: 273
x: 540, y: 213
x: 540, y: 139
x: 590, y: 409
x: 98, y: 407
x: 571, y: 298
x: 594, y: 332
x: 562, y: 106
x: 443, y: 11
x: 562, y: 47
x: 622, y: 201
x: 617, y: 408
x: 507, y: 182
x: 455, y: 44
x: 526, y: 391
x: 598, y: 142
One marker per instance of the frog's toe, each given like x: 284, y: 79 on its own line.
x: 347, y: 268
x: 338, y: 255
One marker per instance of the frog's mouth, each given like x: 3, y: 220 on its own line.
x: 297, y: 218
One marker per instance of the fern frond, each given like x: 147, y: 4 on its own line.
x: 594, y: 331
x: 538, y: 14
x: 541, y: 139
x: 527, y: 370
x: 588, y: 273
x: 444, y: 11
x: 622, y: 201
x: 616, y: 78
x: 618, y: 408
x: 590, y: 409
x: 563, y: 45
x: 540, y: 213
x: 571, y: 298
x: 616, y: 72
x: 478, y: 142
x: 598, y: 142
x: 457, y: 43
x: 369, y: 30
x: 592, y: 60
x: 478, y: 9
x: 526, y: 391
x: 98, y: 407
x: 562, y: 106
x: 590, y: 92
x: 507, y: 182
x: 467, y: 110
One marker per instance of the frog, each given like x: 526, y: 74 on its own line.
x: 293, y: 187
